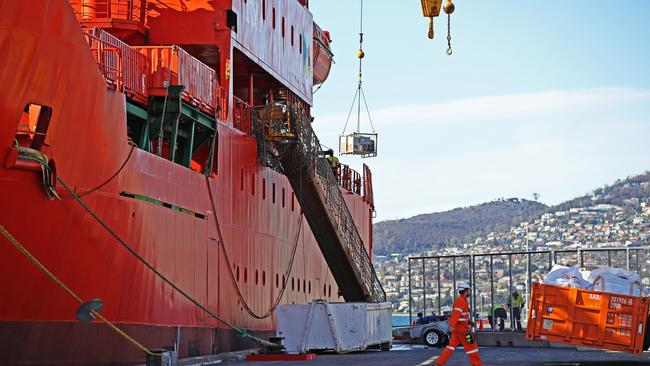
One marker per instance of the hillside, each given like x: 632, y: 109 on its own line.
x: 436, y: 230
x: 496, y: 221
x: 616, y: 194
x: 614, y: 216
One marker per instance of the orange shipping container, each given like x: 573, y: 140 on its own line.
x: 587, y: 318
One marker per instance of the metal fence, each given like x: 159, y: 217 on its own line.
x: 432, y: 280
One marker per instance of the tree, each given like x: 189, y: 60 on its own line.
x: 536, y: 196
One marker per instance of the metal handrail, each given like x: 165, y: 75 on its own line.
x: 221, y: 104
x: 94, y: 10
x: 109, y: 60
x: 308, y: 153
x: 241, y: 117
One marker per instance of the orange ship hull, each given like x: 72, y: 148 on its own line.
x: 46, y: 60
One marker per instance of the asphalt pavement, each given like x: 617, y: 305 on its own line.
x: 416, y: 355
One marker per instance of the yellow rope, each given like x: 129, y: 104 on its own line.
x: 49, y: 274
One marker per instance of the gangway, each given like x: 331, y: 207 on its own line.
x: 300, y: 158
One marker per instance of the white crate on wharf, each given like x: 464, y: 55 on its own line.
x: 339, y: 327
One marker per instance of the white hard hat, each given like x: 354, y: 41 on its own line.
x: 463, y: 286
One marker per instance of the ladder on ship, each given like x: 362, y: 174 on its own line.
x: 300, y: 158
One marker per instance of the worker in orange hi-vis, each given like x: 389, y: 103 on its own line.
x: 460, y: 330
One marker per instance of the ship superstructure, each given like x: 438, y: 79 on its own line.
x: 185, y: 127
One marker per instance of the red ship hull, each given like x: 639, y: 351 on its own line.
x: 45, y: 59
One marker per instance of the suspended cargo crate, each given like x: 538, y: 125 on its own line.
x: 133, y: 65
x: 357, y: 143
x: 171, y: 65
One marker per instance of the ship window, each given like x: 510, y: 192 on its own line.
x: 245, y: 274
x: 293, y: 284
x: 241, y: 180
x: 237, y: 273
x: 324, y: 290
x: 282, y: 27
x: 304, y: 287
x: 273, y: 17
x: 263, y: 9
x: 310, y: 287
x: 33, y: 125
x: 292, y: 35
x: 263, y: 188
x: 299, y: 285
x: 277, y: 280
x: 284, y: 281
x: 263, y: 278
x: 329, y: 289
x: 273, y: 193
x: 282, y: 197
x: 253, y: 184
x: 257, y: 277
x: 293, y: 201
x: 300, y: 43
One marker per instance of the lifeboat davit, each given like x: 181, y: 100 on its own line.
x: 323, y: 56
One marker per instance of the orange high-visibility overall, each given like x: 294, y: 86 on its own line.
x: 460, y: 329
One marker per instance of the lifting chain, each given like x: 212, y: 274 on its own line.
x: 449, y: 50
x: 449, y: 9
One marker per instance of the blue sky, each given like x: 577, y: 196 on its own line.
x: 535, y: 98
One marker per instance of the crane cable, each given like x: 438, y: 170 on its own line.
x: 359, y: 94
x: 65, y: 288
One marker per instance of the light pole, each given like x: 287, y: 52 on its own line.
x: 527, y: 294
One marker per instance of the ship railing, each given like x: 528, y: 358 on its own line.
x: 221, y: 103
x: 134, y: 65
x: 109, y: 60
x: 367, y: 186
x: 347, y: 227
x: 171, y: 65
x: 241, y: 118
x: 98, y: 11
x: 348, y: 178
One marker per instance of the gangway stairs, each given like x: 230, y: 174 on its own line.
x: 300, y: 158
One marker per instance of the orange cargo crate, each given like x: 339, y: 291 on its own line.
x: 587, y: 318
